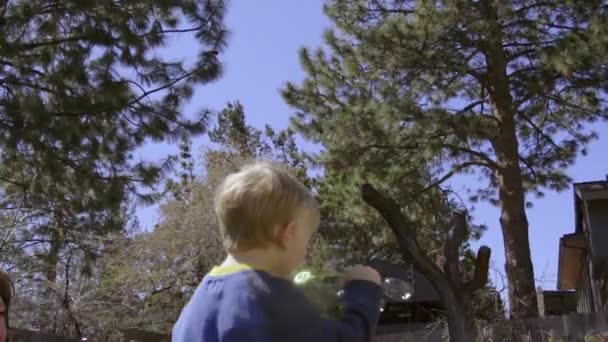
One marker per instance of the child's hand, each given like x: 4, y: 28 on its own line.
x: 360, y: 272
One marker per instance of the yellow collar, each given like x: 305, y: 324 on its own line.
x: 226, y: 270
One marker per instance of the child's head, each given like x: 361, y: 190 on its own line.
x: 264, y: 207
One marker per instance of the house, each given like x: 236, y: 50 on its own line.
x: 583, y: 255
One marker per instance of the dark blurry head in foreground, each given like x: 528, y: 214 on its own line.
x: 6, y: 294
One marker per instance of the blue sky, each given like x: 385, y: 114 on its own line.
x: 262, y: 56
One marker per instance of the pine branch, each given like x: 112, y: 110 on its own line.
x: 455, y: 170
x: 524, y: 9
x: 144, y: 95
x: 485, y: 160
x: 406, y: 238
x: 529, y: 167
x: 34, y: 45
x: 539, y: 131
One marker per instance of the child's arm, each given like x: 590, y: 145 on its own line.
x: 278, y: 312
x: 361, y: 312
x: 362, y: 298
x: 293, y: 318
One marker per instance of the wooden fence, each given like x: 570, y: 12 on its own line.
x: 131, y: 335
x: 19, y: 335
x: 589, y: 327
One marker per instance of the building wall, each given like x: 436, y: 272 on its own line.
x: 597, y: 220
x: 593, y: 290
x: 585, y: 291
x: 600, y: 293
x: 592, y: 293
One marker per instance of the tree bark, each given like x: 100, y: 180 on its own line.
x: 52, y: 258
x: 520, y: 272
x: 461, y: 323
x: 513, y: 219
x: 514, y: 222
x: 451, y: 247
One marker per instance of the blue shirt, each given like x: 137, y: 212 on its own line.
x: 236, y: 304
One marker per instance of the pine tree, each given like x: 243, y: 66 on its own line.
x: 84, y: 84
x: 185, y: 245
x: 248, y: 143
x: 352, y: 232
x: 506, y: 89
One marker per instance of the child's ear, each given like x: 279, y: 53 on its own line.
x: 284, y: 233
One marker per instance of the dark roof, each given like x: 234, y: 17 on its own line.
x: 423, y: 289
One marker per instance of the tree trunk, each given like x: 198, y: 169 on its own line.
x: 461, y: 323
x: 48, y: 322
x: 513, y: 220
x: 52, y: 258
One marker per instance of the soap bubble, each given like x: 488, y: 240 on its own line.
x: 302, y: 277
x: 397, y: 289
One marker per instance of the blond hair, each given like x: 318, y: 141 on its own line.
x: 249, y: 204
